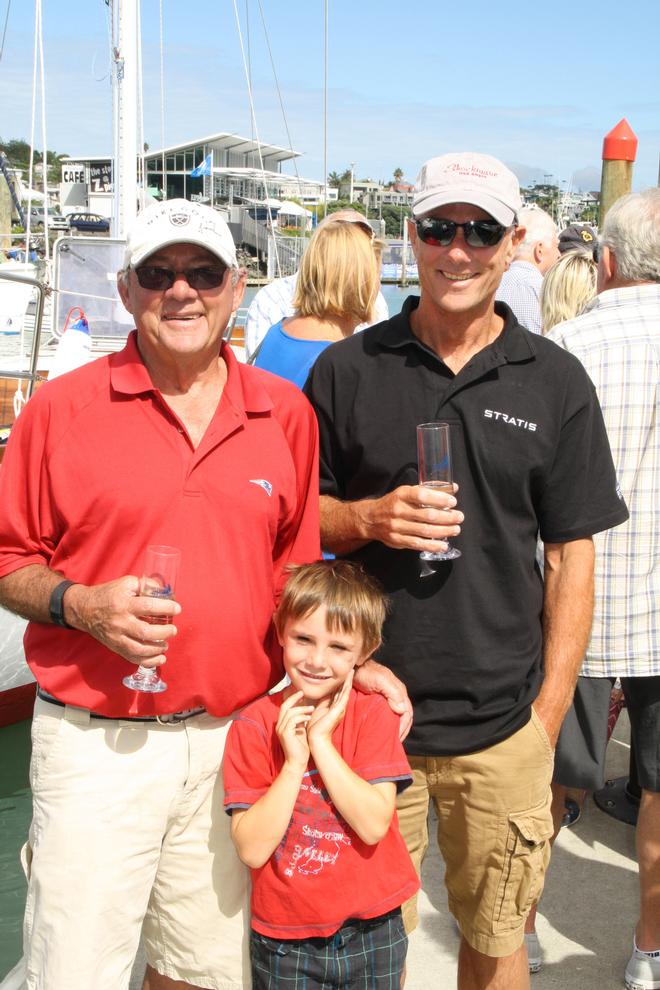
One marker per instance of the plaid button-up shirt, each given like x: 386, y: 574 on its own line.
x: 618, y: 341
x: 520, y: 289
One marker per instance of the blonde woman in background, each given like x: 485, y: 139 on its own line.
x: 337, y: 285
x: 567, y: 288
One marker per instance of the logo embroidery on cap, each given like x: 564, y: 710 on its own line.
x: 266, y: 485
x: 179, y: 219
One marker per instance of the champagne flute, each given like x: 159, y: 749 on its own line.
x: 161, y: 567
x: 434, y: 462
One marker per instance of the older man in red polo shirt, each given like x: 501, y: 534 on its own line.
x: 169, y: 441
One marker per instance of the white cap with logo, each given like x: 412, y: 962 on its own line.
x: 177, y: 221
x: 468, y: 177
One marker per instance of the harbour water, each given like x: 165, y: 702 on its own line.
x: 15, y: 811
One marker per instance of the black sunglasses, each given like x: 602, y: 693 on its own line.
x: 477, y: 233
x: 159, y: 279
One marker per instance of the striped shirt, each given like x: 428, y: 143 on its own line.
x: 520, y: 289
x: 617, y: 339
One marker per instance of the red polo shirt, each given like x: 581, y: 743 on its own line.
x: 98, y: 467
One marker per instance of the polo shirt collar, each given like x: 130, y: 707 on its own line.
x: 128, y: 373
x: 624, y: 295
x: 513, y: 345
x: 244, y: 388
x: 245, y: 392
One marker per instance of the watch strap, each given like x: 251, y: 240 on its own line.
x: 56, y: 604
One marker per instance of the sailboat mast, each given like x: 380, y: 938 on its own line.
x: 124, y: 107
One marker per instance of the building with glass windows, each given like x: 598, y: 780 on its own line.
x: 232, y: 171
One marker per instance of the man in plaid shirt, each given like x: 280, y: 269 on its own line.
x: 618, y: 341
x: 520, y: 287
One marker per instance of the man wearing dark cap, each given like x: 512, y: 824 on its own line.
x: 578, y: 237
x: 488, y: 653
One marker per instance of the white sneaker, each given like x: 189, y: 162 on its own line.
x: 643, y: 970
x: 533, y: 947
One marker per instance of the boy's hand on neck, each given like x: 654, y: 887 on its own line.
x: 291, y: 731
x: 327, y: 715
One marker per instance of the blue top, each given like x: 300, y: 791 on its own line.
x: 289, y: 357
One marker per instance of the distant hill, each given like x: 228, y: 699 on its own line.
x: 586, y: 179
x: 582, y: 180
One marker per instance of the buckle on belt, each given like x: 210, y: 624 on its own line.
x: 177, y: 717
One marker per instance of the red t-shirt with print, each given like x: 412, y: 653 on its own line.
x: 322, y: 873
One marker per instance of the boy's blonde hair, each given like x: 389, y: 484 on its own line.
x: 354, y: 601
x: 339, y: 274
x: 567, y: 288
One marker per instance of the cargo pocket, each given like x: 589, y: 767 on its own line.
x: 526, y: 857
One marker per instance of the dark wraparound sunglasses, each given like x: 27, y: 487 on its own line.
x: 477, y: 233
x: 159, y: 279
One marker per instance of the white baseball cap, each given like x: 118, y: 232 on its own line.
x: 177, y: 221
x: 479, y: 180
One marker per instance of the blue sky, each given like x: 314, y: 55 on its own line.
x: 536, y: 84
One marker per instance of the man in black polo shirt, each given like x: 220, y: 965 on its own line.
x: 481, y: 638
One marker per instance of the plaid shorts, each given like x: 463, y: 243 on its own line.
x: 363, y: 955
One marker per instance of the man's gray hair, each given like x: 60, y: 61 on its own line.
x: 539, y: 226
x: 632, y: 231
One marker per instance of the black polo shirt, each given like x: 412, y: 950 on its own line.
x: 531, y: 456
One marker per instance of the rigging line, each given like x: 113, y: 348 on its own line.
x: 19, y: 399
x: 142, y: 178
x: 162, y: 103
x: 44, y: 156
x: 256, y: 132
x: 325, y: 110
x: 249, y: 56
x: 108, y: 26
x: 279, y: 96
x: 4, y: 30
x: 37, y: 21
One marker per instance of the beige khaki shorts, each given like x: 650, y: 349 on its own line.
x: 128, y: 824
x: 494, y: 829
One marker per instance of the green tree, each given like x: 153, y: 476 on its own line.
x: 18, y: 154
x: 398, y: 174
x: 590, y: 214
x: 394, y: 217
x: 338, y: 204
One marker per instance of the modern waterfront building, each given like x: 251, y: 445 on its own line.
x: 231, y: 171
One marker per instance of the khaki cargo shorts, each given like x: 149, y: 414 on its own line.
x: 494, y: 830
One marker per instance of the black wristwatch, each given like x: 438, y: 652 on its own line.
x: 56, y: 604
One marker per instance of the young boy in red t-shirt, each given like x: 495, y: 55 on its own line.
x: 311, y: 775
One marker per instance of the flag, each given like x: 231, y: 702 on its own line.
x: 206, y: 167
